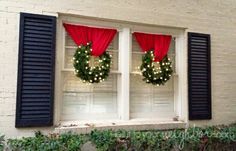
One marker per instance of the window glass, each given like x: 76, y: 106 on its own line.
x: 88, y: 101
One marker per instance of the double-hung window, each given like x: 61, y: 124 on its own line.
x: 124, y: 95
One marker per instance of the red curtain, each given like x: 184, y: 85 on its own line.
x: 99, y: 37
x: 159, y: 43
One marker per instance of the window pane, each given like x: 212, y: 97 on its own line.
x: 89, y: 101
x: 146, y: 100
x: 82, y: 100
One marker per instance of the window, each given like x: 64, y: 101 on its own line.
x: 124, y: 95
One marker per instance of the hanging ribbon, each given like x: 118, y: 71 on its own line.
x: 99, y: 37
x: 159, y: 43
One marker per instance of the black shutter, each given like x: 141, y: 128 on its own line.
x: 199, y: 76
x: 35, y: 90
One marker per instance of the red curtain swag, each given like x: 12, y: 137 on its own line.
x: 99, y: 37
x: 159, y: 43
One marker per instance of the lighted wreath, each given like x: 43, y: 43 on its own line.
x: 156, y: 73
x: 84, y: 71
x: 91, y: 41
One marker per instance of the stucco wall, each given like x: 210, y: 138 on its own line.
x: 216, y: 17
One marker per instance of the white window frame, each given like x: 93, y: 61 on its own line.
x: 125, y: 45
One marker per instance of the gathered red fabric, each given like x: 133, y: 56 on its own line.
x: 159, y: 43
x: 99, y: 37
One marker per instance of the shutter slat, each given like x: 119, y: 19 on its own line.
x: 35, y: 39
x: 35, y: 96
x: 29, y: 35
x: 41, y: 44
x: 35, y: 83
x: 199, y: 76
x: 35, y: 92
x: 38, y: 24
x: 38, y: 28
x: 36, y: 20
x: 43, y: 56
x: 38, y: 48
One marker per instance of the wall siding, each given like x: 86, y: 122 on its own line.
x: 214, y: 17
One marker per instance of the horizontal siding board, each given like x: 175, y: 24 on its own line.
x: 199, y: 76
x: 35, y: 92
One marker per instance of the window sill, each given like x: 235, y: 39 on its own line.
x: 84, y: 127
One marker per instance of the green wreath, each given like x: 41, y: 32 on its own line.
x: 83, y: 70
x: 156, y: 75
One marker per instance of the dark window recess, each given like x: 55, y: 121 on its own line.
x: 199, y: 76
x: 35, y: 90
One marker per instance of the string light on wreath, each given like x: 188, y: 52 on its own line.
x: 156, y: 73
x: 84, y: 71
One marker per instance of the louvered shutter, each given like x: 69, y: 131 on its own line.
x: 199, y: 76
x: 36, y: 70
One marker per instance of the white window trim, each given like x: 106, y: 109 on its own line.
x: 125, y: 44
